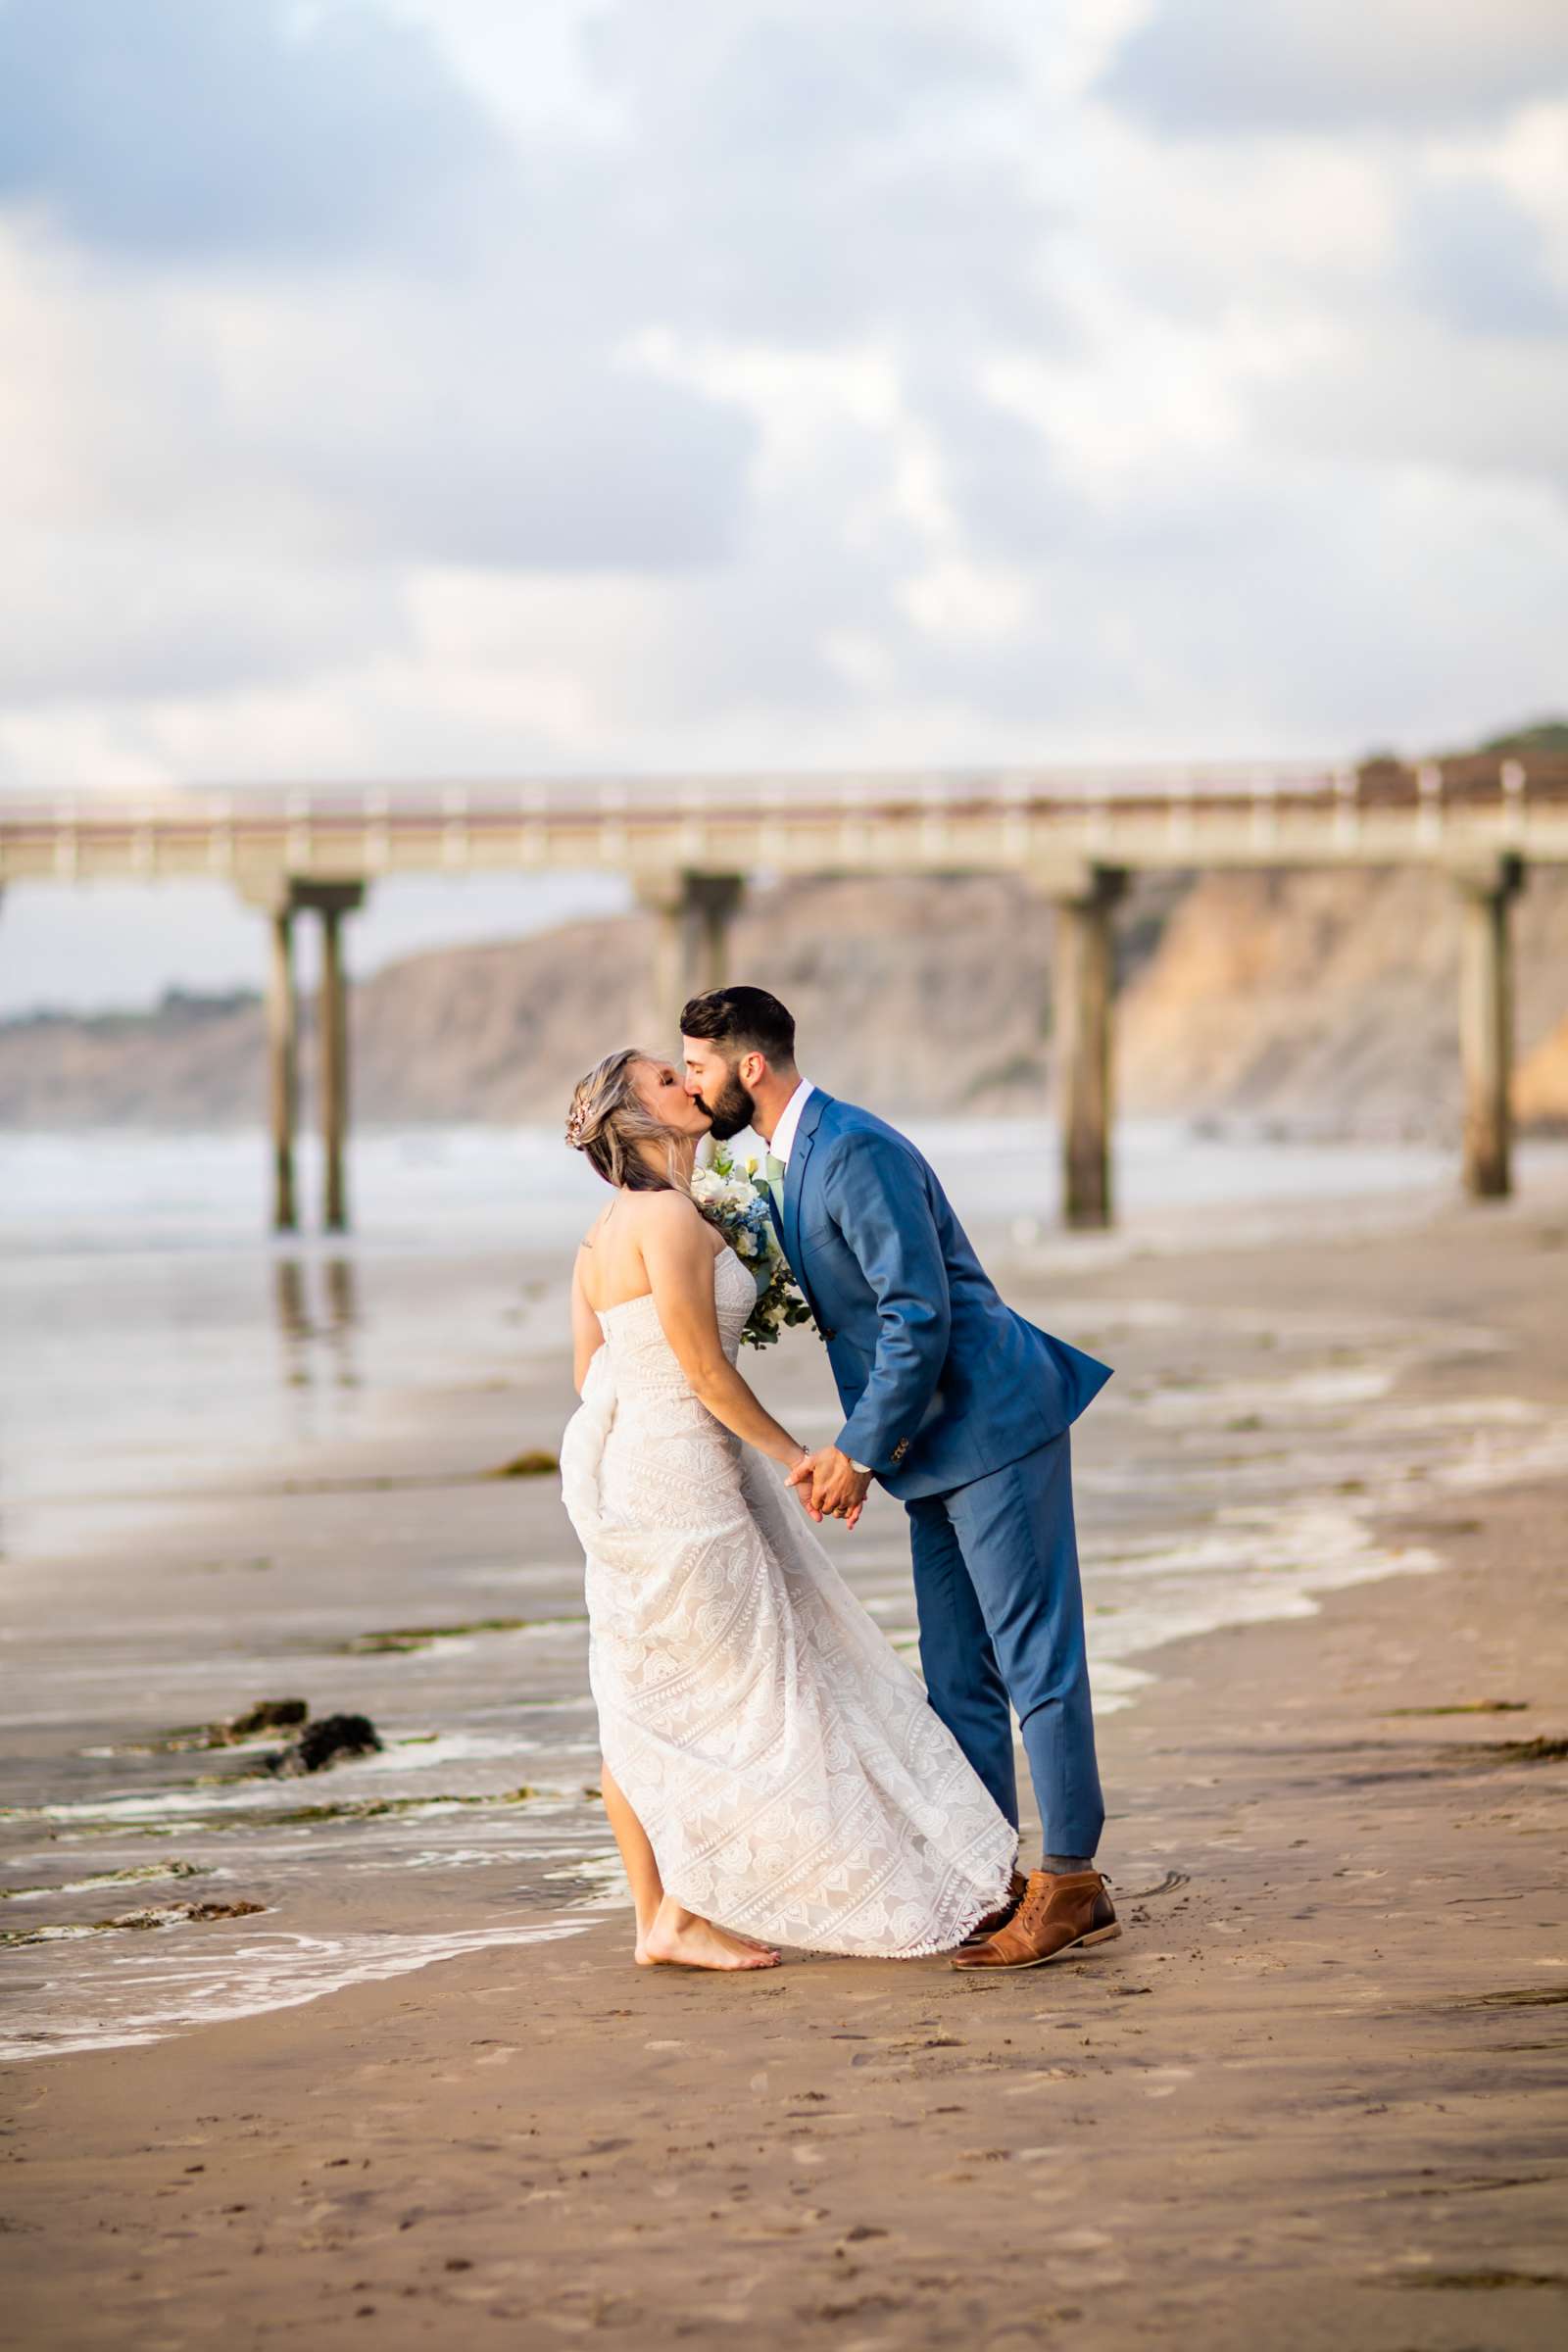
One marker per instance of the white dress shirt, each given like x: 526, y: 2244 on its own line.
x: 789, y: 1120
x: 780, y: 1147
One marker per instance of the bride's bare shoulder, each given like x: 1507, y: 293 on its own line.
x: 670, y: 1216
x: 667, y: 1207
x: 631, y: 1210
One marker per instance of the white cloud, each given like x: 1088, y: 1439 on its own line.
x: 958, y: 599
x: 1400, y: 391
x: 1199, y: 67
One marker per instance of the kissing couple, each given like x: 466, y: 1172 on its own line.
x: 773, y: 1772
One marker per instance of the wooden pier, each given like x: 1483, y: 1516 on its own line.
x: 688, y: 849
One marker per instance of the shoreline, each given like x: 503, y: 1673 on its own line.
x: 1311, y: 2095
x: 1253, y: 1515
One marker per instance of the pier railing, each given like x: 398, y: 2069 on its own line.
x: 1215, y: 814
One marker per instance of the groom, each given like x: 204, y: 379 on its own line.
x: 961, y: 1409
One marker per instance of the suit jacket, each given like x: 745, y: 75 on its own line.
x: 940, y: 1381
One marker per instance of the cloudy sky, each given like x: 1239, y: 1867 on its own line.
x: 393, y: 387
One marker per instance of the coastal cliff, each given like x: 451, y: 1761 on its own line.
x: 1312, y: 1002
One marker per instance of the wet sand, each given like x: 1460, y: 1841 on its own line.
x: 1315, y: 2096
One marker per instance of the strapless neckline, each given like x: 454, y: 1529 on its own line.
x: 646, y: 1297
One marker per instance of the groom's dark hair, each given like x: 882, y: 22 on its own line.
x: 741, y: 1020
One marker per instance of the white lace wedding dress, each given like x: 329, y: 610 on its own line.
x: 792, y: 1776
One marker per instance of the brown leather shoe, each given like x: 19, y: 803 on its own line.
x: 999, y: 1918
x: 1056, y: 1915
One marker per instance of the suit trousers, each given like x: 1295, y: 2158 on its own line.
x: 1002, y: 1631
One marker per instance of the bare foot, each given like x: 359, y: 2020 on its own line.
x: 738, y: 1935
x: 680, y: 1939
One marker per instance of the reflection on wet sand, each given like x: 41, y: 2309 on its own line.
x: 319, y: 1345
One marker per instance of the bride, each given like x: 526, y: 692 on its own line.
x: 772, y: 1770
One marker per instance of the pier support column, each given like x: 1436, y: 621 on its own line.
x: 333, y: 1047
x: 282, y: 899
x: 1486, y: 1022
x: 691, y: 946
x: 1085, y: 988
x: 331, y: 900
x: 713, y: 901
x: 662, y: 896
x: 282, y: 1062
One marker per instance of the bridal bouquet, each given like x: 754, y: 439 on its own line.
x: 734, y: 1197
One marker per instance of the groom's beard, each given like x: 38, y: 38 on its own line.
x: 731, y: 1110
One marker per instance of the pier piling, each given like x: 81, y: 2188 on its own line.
x: 693, y: 914
x: 1485, y: 890
x: 281, y: 900
x: 333, y: 902
x: 282, y: 1054
x: 1085, y: 989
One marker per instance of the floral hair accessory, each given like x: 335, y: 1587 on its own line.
x: 575, y: 1123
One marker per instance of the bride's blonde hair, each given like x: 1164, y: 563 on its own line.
x: 609, y: 1119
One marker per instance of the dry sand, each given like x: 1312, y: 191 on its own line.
x: 1316, y: 2096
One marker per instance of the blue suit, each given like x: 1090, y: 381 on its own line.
x: 961, y: 1409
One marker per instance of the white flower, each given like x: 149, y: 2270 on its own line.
x: 721, y: 1192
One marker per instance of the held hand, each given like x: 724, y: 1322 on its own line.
x: 838, y: 1489
x: 800, y: 1478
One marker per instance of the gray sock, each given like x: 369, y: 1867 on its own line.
x: 1064, y: 1865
